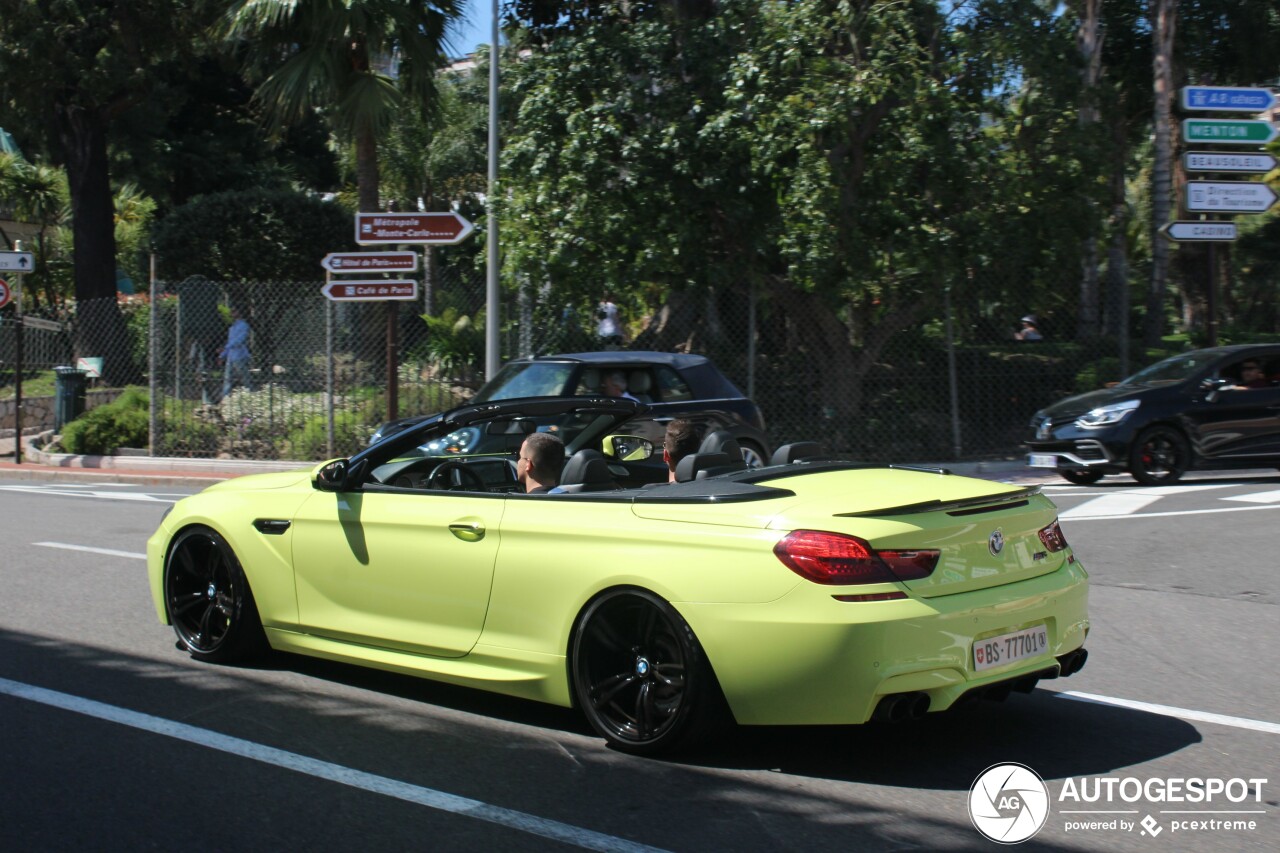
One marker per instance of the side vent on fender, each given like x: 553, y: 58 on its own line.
x: 271, y: 526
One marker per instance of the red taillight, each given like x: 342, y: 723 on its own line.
x: 911, y: 565
x: 1052, y: 537
x: 833, y: 558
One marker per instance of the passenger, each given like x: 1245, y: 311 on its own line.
x: 680, y: 441
x: 1251, y: 377
x: 614, y: 384
x: 541, y: 458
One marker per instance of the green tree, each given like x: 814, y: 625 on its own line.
x: 358, y: 61
x: 74, y: 67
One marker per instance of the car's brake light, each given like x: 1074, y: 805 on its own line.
x: 1053, y: 538
x: 837, y: 559
x: 911, y: 565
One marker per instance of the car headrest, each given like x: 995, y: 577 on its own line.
x: 699, y: 466
x: 590, y: 383
x: 795, y: 451
x: 639, y: 385
x: 587, y: 471
x: 721, y: 441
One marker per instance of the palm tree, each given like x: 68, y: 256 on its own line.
x: 356, y: 59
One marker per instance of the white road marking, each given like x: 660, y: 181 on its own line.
x: 133, y: 555
x: 1076, y: 518
x: 1120, y: 503
x: 111, y: 496
x: 520, y: 821
x: 1256, y: 497
x: 1170, y: 711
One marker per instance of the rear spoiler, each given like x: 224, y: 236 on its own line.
x: 963, y: 506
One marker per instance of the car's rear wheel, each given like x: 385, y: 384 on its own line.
x: 753, y: 454
x: 1081, y: 478
x: 209, y: 600
x: 640, y: 675
x: 1159, y: 455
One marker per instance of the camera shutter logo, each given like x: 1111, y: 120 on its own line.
x: 1008, y: 803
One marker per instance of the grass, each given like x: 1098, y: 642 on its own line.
x: 40, y: 383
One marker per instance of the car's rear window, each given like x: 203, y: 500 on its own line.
x: 527, y: 379
x: 671, y: 388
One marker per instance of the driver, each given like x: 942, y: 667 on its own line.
x: 541, y: 458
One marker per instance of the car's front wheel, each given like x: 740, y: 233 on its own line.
x: 1080, y: 478
x: 1159, y: 455
x: 208, y: 598
x: 639, y: 673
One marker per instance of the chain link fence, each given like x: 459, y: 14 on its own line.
x: 315, y: 382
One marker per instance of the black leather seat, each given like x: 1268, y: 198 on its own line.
x: 795, y: 451
x: 698, y: 466
x: 587, y: 471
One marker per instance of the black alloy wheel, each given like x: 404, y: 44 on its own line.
x: 1080, y: 477
x: 1159, y: 455
x: 640, y: 675
x: 208, y: 599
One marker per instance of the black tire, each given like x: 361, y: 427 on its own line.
x: 753, y: 454
x: 640, y: 675
x: 1081, y: 478
x: 208, y: 599
x: 1160, y: 455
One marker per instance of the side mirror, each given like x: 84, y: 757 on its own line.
x: 628, y: 448
x: 1211, y: 386
x: 330, y: 476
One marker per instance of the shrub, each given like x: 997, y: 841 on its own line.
x: 124, y: 422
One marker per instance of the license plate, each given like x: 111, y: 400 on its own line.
x: 1042, y: 460
x: 1010, y: 648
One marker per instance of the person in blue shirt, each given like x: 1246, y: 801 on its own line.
x: 235, y: 355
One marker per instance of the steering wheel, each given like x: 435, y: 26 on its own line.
x: 466, y: 478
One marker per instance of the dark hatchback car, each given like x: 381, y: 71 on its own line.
x: 1209, y: 408
x: 671, y: 385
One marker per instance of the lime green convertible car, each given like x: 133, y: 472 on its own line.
x: 808, y: 591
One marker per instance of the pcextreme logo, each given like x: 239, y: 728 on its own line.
x: 1008, y: 803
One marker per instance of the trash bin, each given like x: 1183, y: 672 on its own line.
x: 68, y: 401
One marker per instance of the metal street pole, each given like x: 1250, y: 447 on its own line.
x: 491, y: 354
x: 18, y: 367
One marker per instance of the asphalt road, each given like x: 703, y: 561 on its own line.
x: 113, y: 739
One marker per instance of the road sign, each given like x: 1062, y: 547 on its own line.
x: 1229, y: 197
x: 432, y: 228
x: 1227, y: 161
x: 5, y: 293
x: 367, y: 262
x: 1226, y: 99
x: 17, y: 261
x: 41, y: 323
x: 378, y: 290
x: 1227, y: 131
x: 1200, y: 232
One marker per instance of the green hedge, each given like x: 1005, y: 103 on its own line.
x: 124, y: 422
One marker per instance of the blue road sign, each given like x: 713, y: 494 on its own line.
x: 1226, y: 99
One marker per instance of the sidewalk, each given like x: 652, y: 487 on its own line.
x: 174, y: 471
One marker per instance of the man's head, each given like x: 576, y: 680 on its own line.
x: 1250, y: 371
x: 541, y: 458
x: 680, y: 441
x: 614, y: 383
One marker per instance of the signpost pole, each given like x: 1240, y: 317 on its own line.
x: 17, y: 361
x: 328, y: 369
x: 153, y: 366
x: 1213, y: 295
x: 393, y: 368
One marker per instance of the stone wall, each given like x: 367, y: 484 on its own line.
x: 38, y: 412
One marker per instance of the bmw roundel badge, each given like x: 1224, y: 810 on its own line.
x: 995, y: 543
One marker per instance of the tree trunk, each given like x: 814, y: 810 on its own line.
x: 1162, y: 171
x: 100, y: 329
x: 1089, y: 42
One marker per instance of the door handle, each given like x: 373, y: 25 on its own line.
x: 467, y: 531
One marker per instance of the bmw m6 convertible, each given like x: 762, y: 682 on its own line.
x: 807, y: 591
